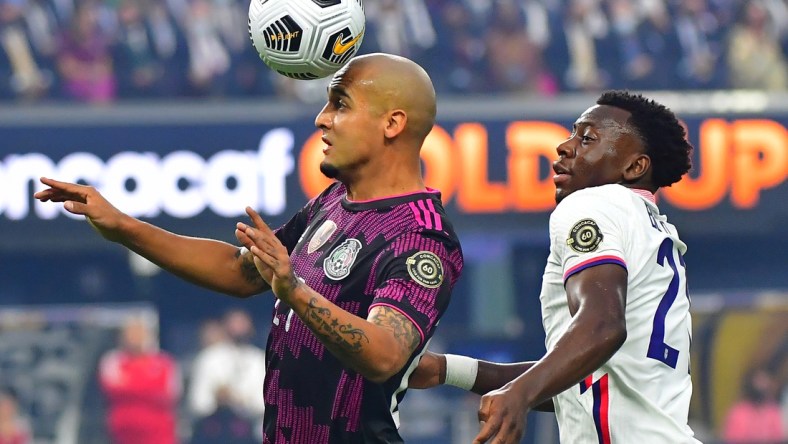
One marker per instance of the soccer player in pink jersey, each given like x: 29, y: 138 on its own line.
x: 362, y: 274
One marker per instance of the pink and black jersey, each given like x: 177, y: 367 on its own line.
x: 400, y: 252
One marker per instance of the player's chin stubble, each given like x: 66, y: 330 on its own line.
x: 329, y: 170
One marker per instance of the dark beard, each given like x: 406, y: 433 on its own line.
x: 329, y: 171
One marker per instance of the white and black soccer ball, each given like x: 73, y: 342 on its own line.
x: 306, y: 39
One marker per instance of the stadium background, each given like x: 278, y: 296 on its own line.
x: 186, y: 126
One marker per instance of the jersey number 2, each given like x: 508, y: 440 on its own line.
x: 657, y: 348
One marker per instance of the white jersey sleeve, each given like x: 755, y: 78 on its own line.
x: 585, y: 234
x: 642, y: 393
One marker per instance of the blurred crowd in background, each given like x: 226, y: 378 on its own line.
x: 103, y: 51
x: 133, y: 392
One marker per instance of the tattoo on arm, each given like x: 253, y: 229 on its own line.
x: 348, y: 337
x: 248, y: 269
x: 404, y: 331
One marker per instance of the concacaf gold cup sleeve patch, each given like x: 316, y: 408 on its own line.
x: 425, y: 268
x: 585, y: 237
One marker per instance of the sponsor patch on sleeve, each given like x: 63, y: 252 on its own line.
x: 425, y: 268
x: 585, y: 237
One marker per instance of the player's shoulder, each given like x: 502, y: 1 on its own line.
x: 330, y: 196
x: 420, y: 211
x: 335, y: 191
x: 602, y: 194
x: 603, y: 198
x: 424, y: 225
x: 428, y: 218
x: 611, y: 204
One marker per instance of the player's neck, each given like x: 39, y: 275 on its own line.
x: 647, y: 187
x: 385, y: 180
x: 358, y: 192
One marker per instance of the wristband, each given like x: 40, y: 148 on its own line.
x: 461, y: 371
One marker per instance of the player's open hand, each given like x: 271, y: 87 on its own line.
x: 271, y: 257
x: 240, y: 234
x: 501, y: 416
x: 87, y: 201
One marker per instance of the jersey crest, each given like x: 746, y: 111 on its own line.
x: 585, y: 237
x: 337, y: 264
x: 425, y: 268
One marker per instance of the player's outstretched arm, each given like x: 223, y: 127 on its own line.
x: 597, y: 302
x: 212, y: 264
x: 470, y: 374
x: 377, y: 347
x: 431, y: 371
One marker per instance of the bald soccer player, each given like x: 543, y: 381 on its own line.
x: 361, y: 274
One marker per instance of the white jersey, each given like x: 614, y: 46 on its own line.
x: 642, y: 394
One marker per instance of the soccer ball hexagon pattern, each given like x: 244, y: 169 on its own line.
x: 306, y: 39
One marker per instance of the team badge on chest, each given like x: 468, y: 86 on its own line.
x: 321, y: 236
x: 337, y: 264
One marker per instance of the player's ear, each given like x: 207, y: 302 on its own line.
x: 637, y: 168
x: 395, y: 123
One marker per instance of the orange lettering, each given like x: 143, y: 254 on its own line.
x: 761, y: 159
x: 438, y: 157
x: 745, y: 156
x: 708, y: 189
x: 528, y: 142
x: 476, y: 194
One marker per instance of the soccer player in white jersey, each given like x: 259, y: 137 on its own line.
x: 614, y: 296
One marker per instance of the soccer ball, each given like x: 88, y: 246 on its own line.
x: 306, y: 39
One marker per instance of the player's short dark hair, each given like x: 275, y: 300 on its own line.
x: 663, y: 136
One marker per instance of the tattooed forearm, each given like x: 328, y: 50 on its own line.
x: 404, y: 330
x: 348, y: 337
x: 248, y: 269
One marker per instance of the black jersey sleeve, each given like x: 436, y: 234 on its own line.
x: 417, y: 275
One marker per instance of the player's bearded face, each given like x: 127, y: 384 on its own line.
x: 348, y: 126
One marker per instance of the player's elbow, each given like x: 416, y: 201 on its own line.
x: 244, y: 290
x: 378, y: 377
x: 381, y: 374
x: 383, y: 369
x: 614, y: 334
x: 609, y: 327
